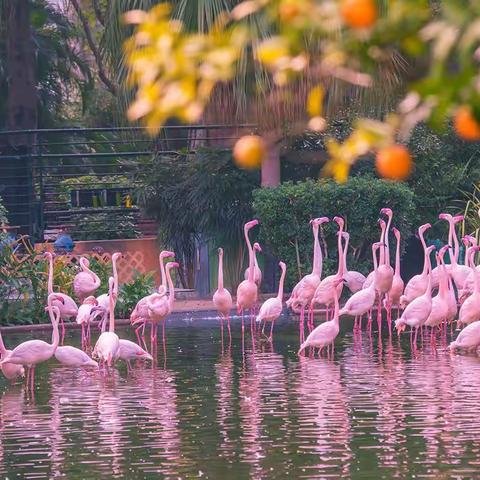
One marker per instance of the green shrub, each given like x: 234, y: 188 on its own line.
x: 130, y: 293
x: 284, y: 213
x: 104, y: 226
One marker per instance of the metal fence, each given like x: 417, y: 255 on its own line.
x: 77, y: 178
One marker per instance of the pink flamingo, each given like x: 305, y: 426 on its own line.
x: 304, y: 290
x: 108, y: 343
x: 85, y: 314
x: 362, y: 301
x: 418, y: 310
x: 258, y: 273
x: 85, y: 282
x: 329, y: 288
x: 66, y: 304
x: 439, y: 312
x: 33, y: 352
x: 417, y: 285
x: 470, y: 309
x: 102, y: 300
x: 139, y: 315
x: 352, y: 279
x: 396, y: 291
x: 272, y: 307
x: 468, y: 339
x: 469, y: 283
x: 160, y: 306
x: 10, y: 370
x: 222, y: 299
x: 131, y: 351
x: 325, y: 333
x: 247, y: 290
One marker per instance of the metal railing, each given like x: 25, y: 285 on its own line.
x: 73, y: 176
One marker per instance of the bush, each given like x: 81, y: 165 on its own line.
x: 284, y: 213
x: 105, y: 226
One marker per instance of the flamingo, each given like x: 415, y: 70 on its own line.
x: 85, y: 282
x: 272, y: 307
x: 33, y: 352
x: 222, y: 299
x: 396, y: 291
x: 468, y: 339
x: 352, y: 279
x: 418, y: 310
x: 470, y: 309
x: 139, y: 315
x: 362, y: 301
x: 102, y: 300
x: 131, y: 351
x: 66, y: 304
x: 417, y: 285
x: 108, y: 343
x: 304, y: 290
x: 325, y: 333
x: 247, y: 290
x: 469, y: 283
x: 257, y: 278
x: 160, y: 306
x: 329, y: 287
x: 439, y: 313
x: 85, y: 314
x: 10, y: 370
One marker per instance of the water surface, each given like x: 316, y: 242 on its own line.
x: 374, y: 411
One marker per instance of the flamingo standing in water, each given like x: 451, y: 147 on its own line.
x: 257, y: 277
x: 439, y: 312
x: 139, y: 315
x: 10, y: 370
x: 85, y: 314
x: 418, y: 310
x: 417, y: 285
x: 353, y: 280
x: 66, y: 304
x: 108, y: 343
x: 396, y: 291
x: 468, y: 339
x: 85, y: 282
x: 325, y: 334
x: 222, y: 299
x: 32, y: 352
x: 131, y: 351
x: 362, y: 301
x: 304, y: 290
x: 470, y: 309
x: 247, y: 291
x: 102, y: 300
x: 329, y: 288
x: 272, y: 307
x: 469, y: 283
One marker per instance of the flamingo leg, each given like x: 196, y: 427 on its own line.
x: 229, y: 331
x: 271, y: 332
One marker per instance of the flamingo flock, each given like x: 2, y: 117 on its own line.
x: 429, y: 302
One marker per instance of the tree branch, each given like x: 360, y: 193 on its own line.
x: 93, y: 47
x: 98, y: 12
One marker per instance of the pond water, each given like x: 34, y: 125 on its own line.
x: 375, y: 411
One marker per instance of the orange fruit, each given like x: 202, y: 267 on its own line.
x: 358, y: 13
x: 249, y: 151
x: 394, y: 162
x: 466, y: 125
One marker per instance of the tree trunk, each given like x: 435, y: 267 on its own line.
x: 271, y: 167
x: 16, y: 183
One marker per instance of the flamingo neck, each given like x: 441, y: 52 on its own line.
x: 397, y: 257
x: 251, y: 259
x: 3, y: 349
x: 341, y: 253
x: 50, y: 274
x: 55, y: 335
x: 387, y: 244
x: 456, y: 243
x: 476, y: 283
x: 111, y: 325
x: 171, y: 296
x: 382, y: 248
x: 345, y: 253
x: 429, y: 281
x: 375, y: 267
x: 162, y: 272
x: 443, y: 282
x: 337, y: 308
x: 220, y: 271
x: 317, y: 253
x: 452, y: 239
x: 115, y: 275
x: 280, y: 284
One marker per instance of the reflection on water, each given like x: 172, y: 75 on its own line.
x: 375, y: 411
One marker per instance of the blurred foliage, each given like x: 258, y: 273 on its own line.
x: 284, y: 213
x: 176, y: 72
x: 471, y: 212
x: 105, y: 226
x: 131, y: 292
